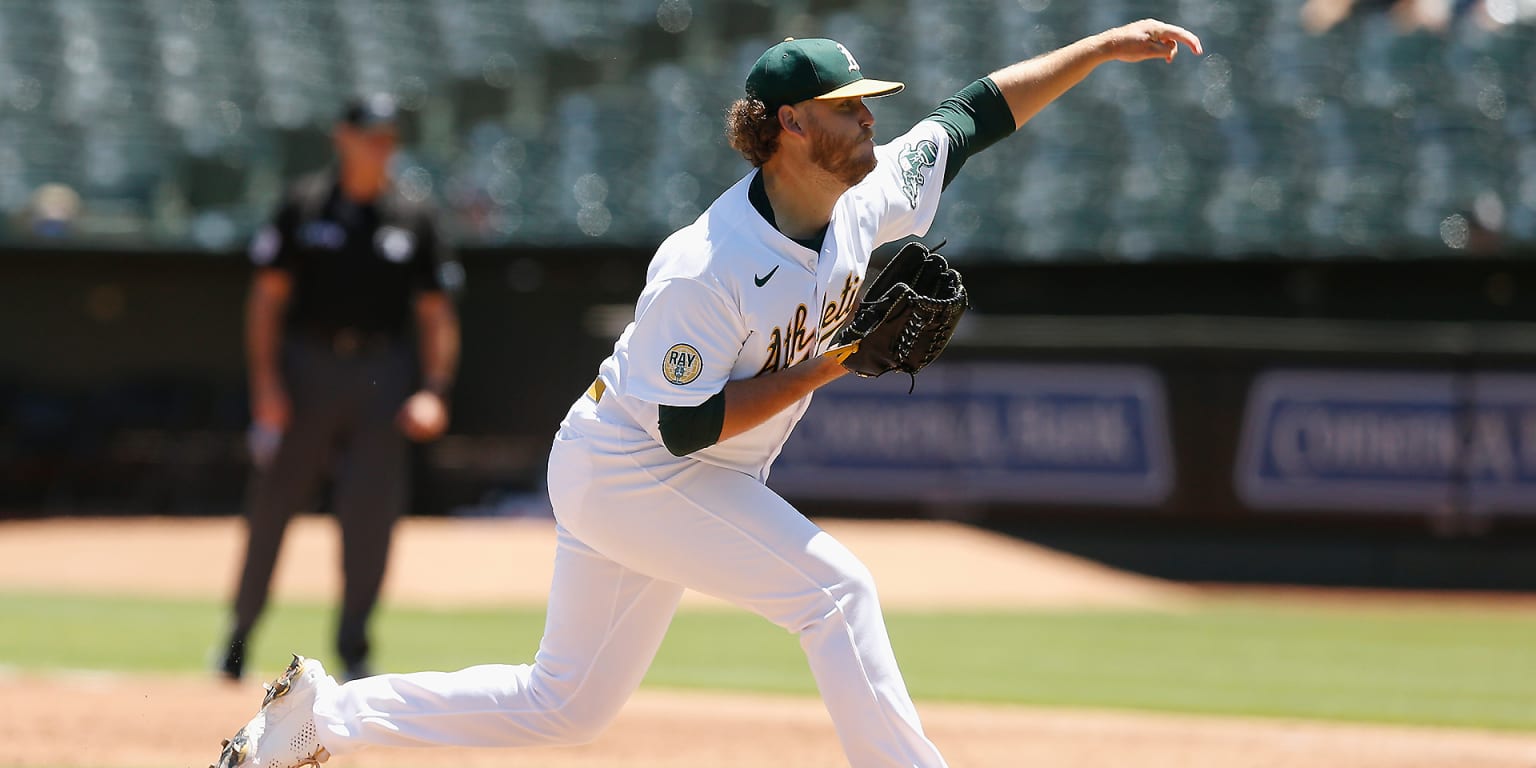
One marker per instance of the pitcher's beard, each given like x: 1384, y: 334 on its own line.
x: 841, y: 161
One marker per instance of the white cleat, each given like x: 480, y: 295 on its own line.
x: 282, y: 734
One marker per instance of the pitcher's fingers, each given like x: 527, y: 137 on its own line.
x: 1175, y: 32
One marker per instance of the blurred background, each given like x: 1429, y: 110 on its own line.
x: 1261, y: 315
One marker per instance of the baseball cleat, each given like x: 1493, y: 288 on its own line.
x: 282, y: 734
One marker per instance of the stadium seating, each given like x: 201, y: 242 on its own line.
x: 564, y: 122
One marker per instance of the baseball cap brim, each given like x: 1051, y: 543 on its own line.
x: 866, y: 87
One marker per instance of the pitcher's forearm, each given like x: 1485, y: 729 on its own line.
x: 1029, y: 86
x: 750, y: 402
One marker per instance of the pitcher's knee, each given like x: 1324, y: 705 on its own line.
x: 579, y: 730
x: 852, y: 590
x: 574, y: 717
x: 857, y: 583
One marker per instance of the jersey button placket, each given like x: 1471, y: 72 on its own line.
x: 825, y: 257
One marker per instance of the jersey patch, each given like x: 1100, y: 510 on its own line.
x: 264, y: 248
x: 323, y: 235
x: 450, y: 275
x: 395, y: 244
x: 682, y: 364
x: 916, y: 157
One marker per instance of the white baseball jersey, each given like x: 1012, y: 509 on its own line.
x: 727, y: 298
x: 730, y: 297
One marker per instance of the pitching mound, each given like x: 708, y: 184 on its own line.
x: 137, y: 722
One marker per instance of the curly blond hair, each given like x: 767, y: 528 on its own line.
x: 752, y: 130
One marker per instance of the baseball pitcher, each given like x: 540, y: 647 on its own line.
x: 657, y: 473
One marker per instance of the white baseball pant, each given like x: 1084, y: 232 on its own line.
x: 635, y: 528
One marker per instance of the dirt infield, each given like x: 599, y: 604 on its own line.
x: 112, y: 721
x: 480, y: 562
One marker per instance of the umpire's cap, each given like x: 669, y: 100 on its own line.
x: 370, y: 111
x: 814, y: 68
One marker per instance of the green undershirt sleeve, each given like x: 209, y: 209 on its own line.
x: 975, y: 118
x: 685, y: 429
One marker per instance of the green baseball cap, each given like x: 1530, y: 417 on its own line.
x: 814, y: 68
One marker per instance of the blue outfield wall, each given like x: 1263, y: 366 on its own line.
x: 1099, y: 407
x: 1390, y: 442
x: 986, y: 432
x: 1310, y: 440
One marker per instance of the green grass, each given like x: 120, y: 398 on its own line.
x: 1453, y: 668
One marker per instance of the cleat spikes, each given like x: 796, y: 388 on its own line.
x: 279, y: 687
x: 234, y: 751
x: 282, y: 734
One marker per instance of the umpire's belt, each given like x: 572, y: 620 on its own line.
x: 596, y: 390
x: 352, y: 342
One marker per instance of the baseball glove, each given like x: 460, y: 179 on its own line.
x: 906, y: 317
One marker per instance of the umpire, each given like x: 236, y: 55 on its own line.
x: 343, y: 272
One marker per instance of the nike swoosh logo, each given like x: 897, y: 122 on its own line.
x: 762, y: 281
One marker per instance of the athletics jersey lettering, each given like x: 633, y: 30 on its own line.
x: 729, y: 297
x: 837, y: 310
x: 787, y: 346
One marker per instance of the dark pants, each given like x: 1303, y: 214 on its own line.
x: 342, y: 426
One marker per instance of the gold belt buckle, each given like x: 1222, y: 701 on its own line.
x: 596, y: 390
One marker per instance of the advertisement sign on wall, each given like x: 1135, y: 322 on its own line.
x: 986, y: 432
x: 1390, y: 442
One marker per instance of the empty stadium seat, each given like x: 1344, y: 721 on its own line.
x: 176, y: 119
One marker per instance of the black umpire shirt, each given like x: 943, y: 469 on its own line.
x: 355, y: 267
